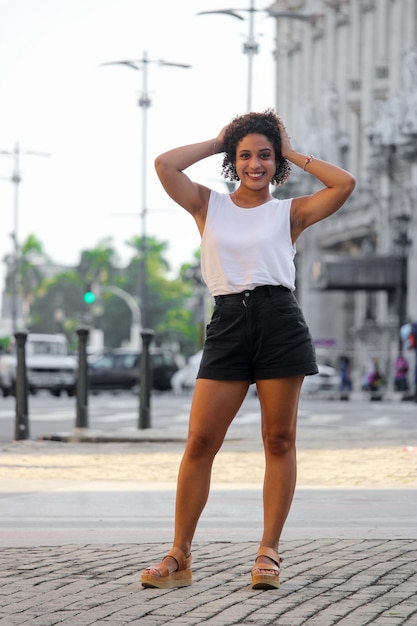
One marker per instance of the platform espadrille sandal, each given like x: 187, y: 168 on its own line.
x: 182, y: 577
x: 266, y: 575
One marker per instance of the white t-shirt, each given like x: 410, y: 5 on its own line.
x: 245, y: 248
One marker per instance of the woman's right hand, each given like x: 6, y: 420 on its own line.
x: 219, y: 140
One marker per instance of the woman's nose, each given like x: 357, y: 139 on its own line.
x: 255, y: 162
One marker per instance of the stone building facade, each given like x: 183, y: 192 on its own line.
x: 346, y: 86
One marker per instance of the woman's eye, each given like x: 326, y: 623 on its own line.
x: 263, y: 156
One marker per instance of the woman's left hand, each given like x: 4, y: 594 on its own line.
x: 286, y: 146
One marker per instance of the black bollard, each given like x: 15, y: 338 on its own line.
x: 145, y: 380
x: 21, y: 430
x: 82, y: 379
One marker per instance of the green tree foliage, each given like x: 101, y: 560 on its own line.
x: 57, y: 303
x: 116, y: 321
x: 166, y: 297
x: 24, y: 274
x: 59, y: 306
x: 98, y: 266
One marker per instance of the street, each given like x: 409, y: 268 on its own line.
x: 322, y: 423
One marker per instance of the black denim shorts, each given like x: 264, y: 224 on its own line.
x: 257, y: 334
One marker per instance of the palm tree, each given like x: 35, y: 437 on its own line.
x: 97, y: 266
x: 24, y: 274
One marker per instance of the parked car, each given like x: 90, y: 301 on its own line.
x: 184, y: 379
x: 119, y: 369
x: 49, y: 365
x: 324, y: 384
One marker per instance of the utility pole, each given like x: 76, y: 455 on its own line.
x: 16, y: 180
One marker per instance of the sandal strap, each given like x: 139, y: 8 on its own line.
x: 161, y: 568
x: 270, y: 553
x: 183, y: 561
x: 266, y: 567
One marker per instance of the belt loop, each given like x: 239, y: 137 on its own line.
x: 270, y: 290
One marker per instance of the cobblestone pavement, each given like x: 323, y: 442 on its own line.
x: 324, y: 582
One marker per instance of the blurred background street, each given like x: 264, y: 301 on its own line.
x: 89, y: 237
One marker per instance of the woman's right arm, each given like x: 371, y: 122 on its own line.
x: 170, y: 167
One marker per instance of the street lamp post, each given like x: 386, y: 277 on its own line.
x: 403, y: 242
x: 16, y: 180
x: 144, y: 103
x: 250, y: 46
x: 393, y: 140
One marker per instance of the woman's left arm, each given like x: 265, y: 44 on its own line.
x: 338, y: 186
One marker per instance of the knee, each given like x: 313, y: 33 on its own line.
x: 278, y: 444
x: 199, y: 446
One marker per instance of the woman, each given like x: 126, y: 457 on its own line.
x: 257, y: 332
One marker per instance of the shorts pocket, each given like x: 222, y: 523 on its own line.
x: 287, y: 307
x: 214, y: 320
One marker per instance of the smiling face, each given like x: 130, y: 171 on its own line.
x: 255, y: 161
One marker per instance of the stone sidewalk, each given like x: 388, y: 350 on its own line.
x: 324, y: 582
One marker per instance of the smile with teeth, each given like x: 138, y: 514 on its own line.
x: 255, y: 174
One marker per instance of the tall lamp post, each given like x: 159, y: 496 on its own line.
x: 402, y: 242
x: 250, y: 46
x: 144, y: 103
x: 16, y: 180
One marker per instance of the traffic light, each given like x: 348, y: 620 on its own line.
x: 89, y: 295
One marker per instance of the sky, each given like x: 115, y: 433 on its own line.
x: 81, y: 121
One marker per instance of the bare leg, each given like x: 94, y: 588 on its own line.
x: 279, y: 403
x: 215, y: 404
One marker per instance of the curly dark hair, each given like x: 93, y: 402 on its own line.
x: 265, y: 123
